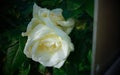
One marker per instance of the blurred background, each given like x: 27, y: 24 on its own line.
x: 14, y: 18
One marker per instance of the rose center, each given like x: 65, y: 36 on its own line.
x: 51, y: 43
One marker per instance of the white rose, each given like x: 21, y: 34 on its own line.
x: 48, y: 41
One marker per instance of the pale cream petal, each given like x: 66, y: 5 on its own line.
x: 58, y: 31
x: 36, y: 10
x: 60, y: 64
x: 67, y: 25
x: 57, y: 11
x: 28, y: 48
x: 69, y: 22
x: 44, y: 58
x: 33, y: 23
x: 39, y: 31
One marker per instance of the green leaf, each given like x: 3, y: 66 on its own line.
x: 26, y: 12
x: 70, y: 68
x: 42, y: 69
x: 83, y: 66
x: 24, y: 69
x: 15, y: 57
x: 66, y: 14
x: 89, y: 56
x: 58, y: 72
x: 49, y: 3
x: 10, y: 56
x: 89, y: 7
x: 72, y: 5
x: 77, y: 13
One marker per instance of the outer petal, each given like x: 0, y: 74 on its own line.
x: 67, y: 25
x: 57, y: 11
x: 28, y: 48
x: 36, y: 10
x: 34, y: 22
x: 39, y: 31
x: 59, y: 64
x: 56, y: 15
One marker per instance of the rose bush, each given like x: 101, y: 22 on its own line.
x: 48, y: 41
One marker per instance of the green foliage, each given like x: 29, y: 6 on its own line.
x: 10, y: 67
x: 14, y: 17
x: 42, y: 69
x: 24, y: 69
x: 58, y: 72
x: 89, y: 7
x: 15, y: 57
